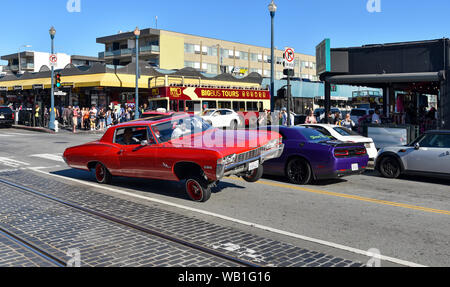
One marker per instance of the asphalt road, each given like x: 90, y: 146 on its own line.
x: 407, y: 220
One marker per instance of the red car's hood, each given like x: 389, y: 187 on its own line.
x: 226, y: 142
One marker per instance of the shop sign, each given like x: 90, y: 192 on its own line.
x: 323, y: 57
x: 18, y: 88
x: 38, y: 87
x: 3, y: 89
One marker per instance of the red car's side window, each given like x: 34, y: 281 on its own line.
x: 133, y: 136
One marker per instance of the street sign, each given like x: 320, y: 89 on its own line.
x: 289, y: 58
x: 323, y: 57
x: 60, y: 93
x: 53, y: 60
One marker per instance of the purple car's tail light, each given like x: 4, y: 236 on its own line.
x: 341, y: 153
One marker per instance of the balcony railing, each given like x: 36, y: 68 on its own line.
x: 29, y: 66
x: 129, y: 52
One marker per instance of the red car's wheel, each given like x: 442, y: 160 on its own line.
x: 255, y: 175
x: 198, y: 190
x: 102, y: 175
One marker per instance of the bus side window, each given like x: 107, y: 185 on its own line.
x: 224, y: 105
x: 174, y: 106
x: 181, y: 106
x: 252, y: 106
x: 193, y: 106
x: 239, y: 106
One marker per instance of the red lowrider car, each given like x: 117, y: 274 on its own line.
x: 177, y: 148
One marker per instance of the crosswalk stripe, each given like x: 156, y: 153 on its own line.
x: 12, y: 162
x: 52, y: 157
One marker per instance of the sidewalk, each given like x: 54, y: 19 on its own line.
x: 34, y: 129
x: 61, y: 130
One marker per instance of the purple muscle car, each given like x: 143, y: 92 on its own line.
x: 310, y: 155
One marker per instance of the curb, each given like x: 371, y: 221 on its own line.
x: 33, y: 129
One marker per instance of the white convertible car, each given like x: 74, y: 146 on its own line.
x: 222, y: 118
x: 428, y: 155
x: 346, y: 135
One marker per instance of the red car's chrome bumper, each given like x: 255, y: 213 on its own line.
x: 243, y: 166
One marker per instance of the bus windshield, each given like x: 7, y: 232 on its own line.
x: 158, y: 104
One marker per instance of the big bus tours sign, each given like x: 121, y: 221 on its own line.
x: 192, y: 93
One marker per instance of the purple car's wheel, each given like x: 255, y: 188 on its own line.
x: 198, y: 189
x: 102, y: 174
x: 298, y: 171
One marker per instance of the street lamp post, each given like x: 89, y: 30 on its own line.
x: 137, y: 33
x: 51, y: 124
x: 24, y: 46
x: 272, y: 10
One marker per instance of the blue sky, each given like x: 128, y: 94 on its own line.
x: 301, y: 24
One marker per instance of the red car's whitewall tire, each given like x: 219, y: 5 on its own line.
x: 198, y: 190
x: 255, y: 175
x: 102, y: 174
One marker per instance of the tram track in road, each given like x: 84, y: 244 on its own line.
x: 149, y: 231
x: 57, y: 262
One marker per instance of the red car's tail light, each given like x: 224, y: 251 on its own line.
x: 341, y: 153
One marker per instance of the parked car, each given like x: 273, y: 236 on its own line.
x: 310, y: 155
x: 222, y: 118
x: 6, y: 117
x: 177, y: 148
x: 357, y: 114
x: 346, y: 135
x: 428, y: 155
x: 320, y: 113
x: 155, y: 114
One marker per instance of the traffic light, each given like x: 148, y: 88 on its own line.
x: 58, y: 80
x: 282, y: 93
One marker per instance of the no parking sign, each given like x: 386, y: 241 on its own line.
x: 289, y: 58
x: 53, y: 60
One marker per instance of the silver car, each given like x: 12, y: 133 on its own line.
x: 427, y: 155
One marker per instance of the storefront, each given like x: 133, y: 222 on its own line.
x: 412, y: 75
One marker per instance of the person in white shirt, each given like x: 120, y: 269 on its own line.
x: 376, y: 117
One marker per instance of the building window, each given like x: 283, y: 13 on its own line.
x: 189, y: 64
x: 211, y: 68
x: 244, y: 56
x: 212, y: 51
x: 189, y: 48
x: 254, y: 57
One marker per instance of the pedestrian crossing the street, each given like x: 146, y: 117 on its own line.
x: 51, y: 157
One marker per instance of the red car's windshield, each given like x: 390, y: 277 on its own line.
x: 179, y: 127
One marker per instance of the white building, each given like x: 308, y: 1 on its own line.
x: 32, y: 62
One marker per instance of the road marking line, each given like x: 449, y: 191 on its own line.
x: 354, y: 197
x: 12, y: 163
x: 239, y: 221
x: 52, y: 157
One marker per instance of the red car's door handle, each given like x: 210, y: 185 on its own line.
x: 120, y: 152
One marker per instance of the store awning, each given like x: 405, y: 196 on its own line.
x: 387, y: 78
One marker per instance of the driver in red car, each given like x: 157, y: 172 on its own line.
x: 128, y: 138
